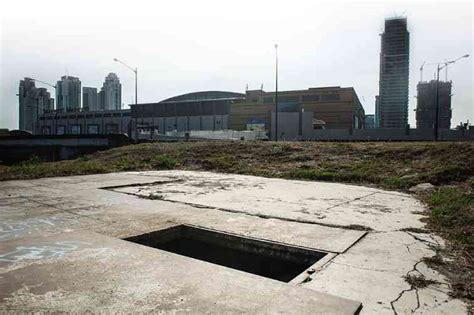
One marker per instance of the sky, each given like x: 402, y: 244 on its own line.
x: 187, y: 46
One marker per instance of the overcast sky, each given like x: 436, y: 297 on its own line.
x: 188, y: 46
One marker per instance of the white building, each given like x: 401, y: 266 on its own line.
x: 110, y: 96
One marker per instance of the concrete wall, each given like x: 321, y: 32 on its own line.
x: 299, y: 126
x: 53, y: 148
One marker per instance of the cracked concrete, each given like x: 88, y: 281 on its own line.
x: 51, y: 225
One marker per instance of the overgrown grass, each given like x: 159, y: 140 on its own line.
x: 453, y: 207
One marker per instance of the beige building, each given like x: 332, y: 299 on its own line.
x: 332, y: 107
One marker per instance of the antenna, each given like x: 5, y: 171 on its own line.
x: 247, y: 87
x: 261, y: 87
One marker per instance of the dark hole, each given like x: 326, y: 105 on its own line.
x: 264, y: 258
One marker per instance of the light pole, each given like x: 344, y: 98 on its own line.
x: 276, y: 92
x: 441, y: 66
x: 37, y: 109
x: 136, y: 89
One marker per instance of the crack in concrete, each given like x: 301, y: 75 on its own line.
x: 434, y: 246
x: 349, y: 201
x: 259, y: 215
x: 412, y: 288
x: 159, y: 182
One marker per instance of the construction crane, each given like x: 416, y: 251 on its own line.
x: 421, y: 71
x: 53, y: 86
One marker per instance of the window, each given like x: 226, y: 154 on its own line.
x: 268, y: 100
x: 92, y: 129
x: 310, y: 98
x: 288, y: 99
x: 111, y: 128
x: 330, y: 97
x: 60, y: 130
x: 76, y: 129
x: 45, y: 130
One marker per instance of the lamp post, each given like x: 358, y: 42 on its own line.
x: 276, y: 92
x: 136, y: 89
x: 441, y: 66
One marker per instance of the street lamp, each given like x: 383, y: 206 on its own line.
x: 276, y: 92
x: 441, y: 66
x: 136, y: 88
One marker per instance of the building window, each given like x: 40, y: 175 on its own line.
x: 330, y: 97
x: 45, y: 130
x: 92, y: 129
x: 111, y: 128
x: 60, y: 130
x: 289, y: 99
x: 268, y: 100
x: 310, y: 98
x: 76, y: 129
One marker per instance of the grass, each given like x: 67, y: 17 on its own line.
x: 401, y: 165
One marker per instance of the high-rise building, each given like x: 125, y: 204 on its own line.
x: 68, y: 94
x: 394, y: 66
x: 369, y: 121
x: 111, y: 93
x: 33, y: 103
x: 89, y: 98
x: 426, y: 105
x: 101, y: 100
x: 377, y: 112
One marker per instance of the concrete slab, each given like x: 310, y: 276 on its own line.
x: 367, y: 265
x: 84, y: 271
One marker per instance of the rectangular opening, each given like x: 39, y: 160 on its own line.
x: 264, y: 258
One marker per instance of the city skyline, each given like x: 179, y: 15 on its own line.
x: 183, y: 65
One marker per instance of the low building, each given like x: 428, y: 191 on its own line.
x: 426, y: 105
x: 208, y: 110
x: 315, y: 108
x: 337, y: 107
x: 86, y: 122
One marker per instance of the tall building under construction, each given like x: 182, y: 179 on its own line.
x: 394, y: 66
x: 426, y: 105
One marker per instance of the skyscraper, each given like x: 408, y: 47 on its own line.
x: 89, y: 98
x: 377, y: 112
x: 426, y: 105
x: 33, y: 102
x: 393, y: 84
x: 110, y: 96
x: 68, y: 94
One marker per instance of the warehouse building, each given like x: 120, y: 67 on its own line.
x: 323, y: 108
x: 331, y: 107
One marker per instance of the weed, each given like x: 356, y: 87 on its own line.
x: 418, y: 281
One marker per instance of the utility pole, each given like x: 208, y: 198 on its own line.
x: 276, y: 92
x: 436, y: 127
x: 136, y: 91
